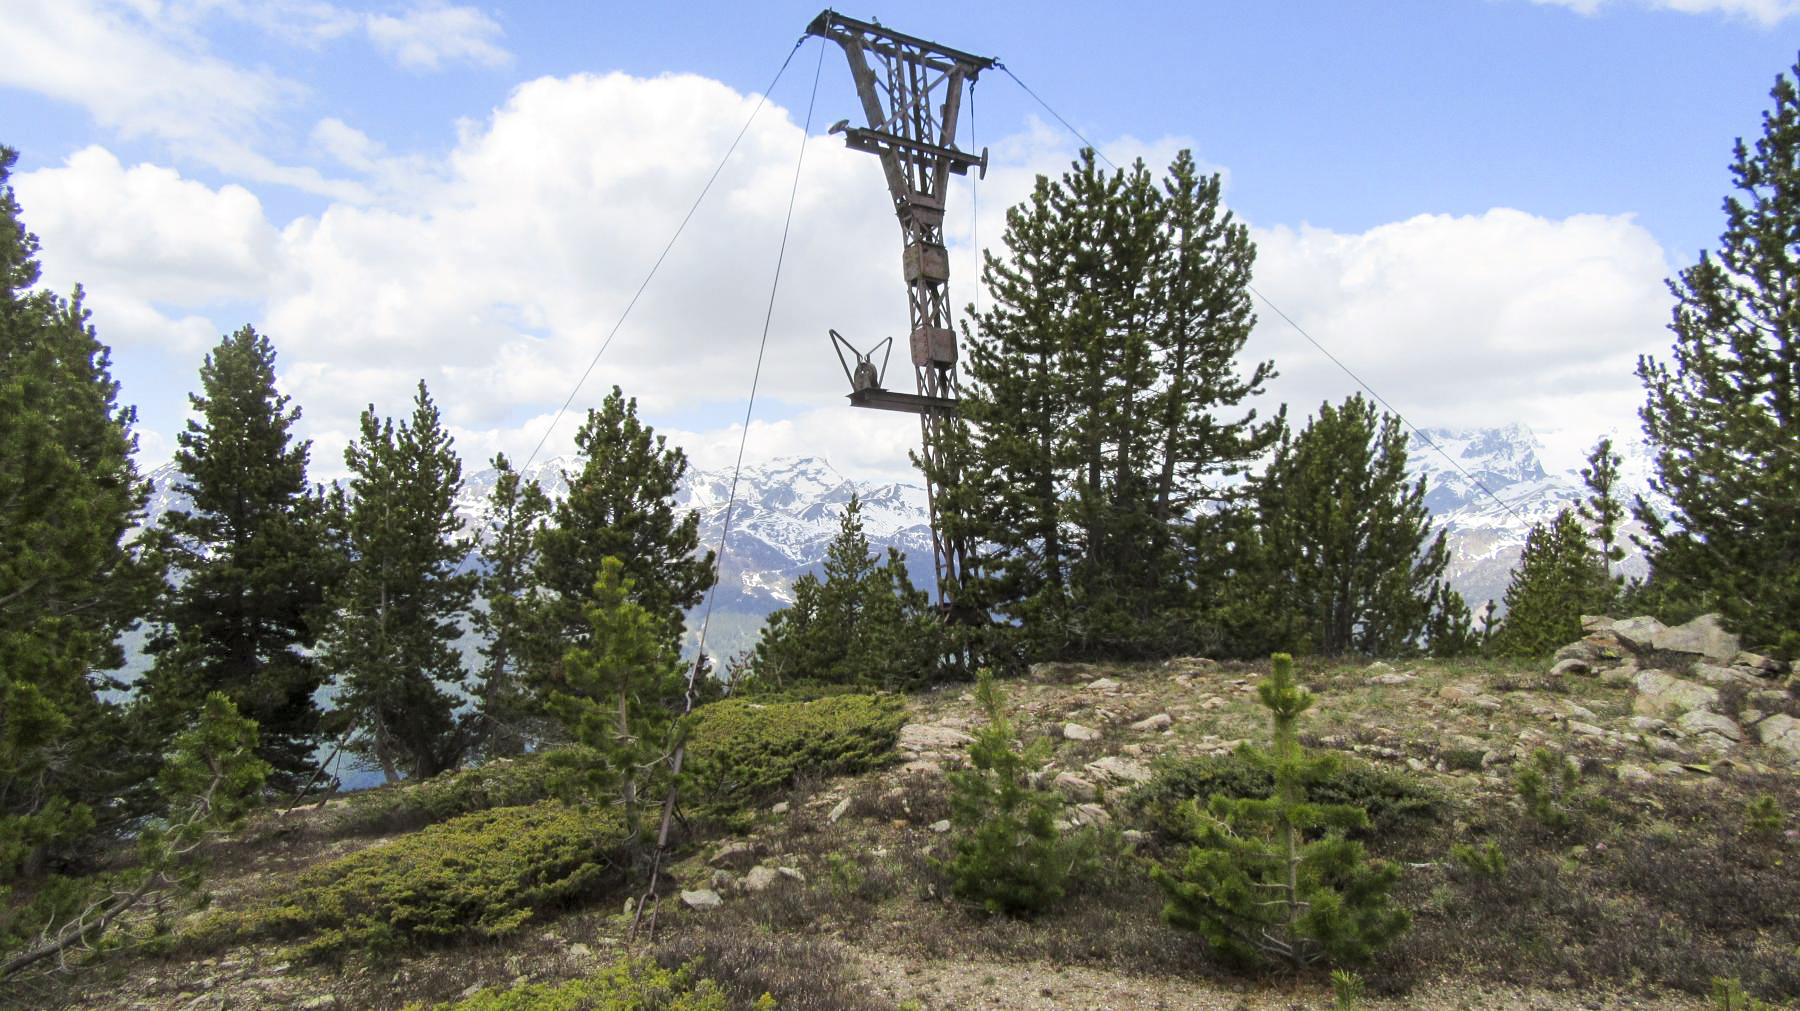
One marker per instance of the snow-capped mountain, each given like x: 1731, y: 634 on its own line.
x: 1487, y: 487
x: 785, y: 513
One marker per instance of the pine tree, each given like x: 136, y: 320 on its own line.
x: 392, y: 640
x: 502, y: 723
x: 1102, y: 398
x: 1349, y: 538
x: 1007, y: 852
x: 1724, y: 413
x: 620, y: 504
x: 251, y: 564
x: 864, y: 626
x: 1602, y: 510
x: 1256, y: 887
x: 69, y: 494
x: 1559, y: 577
x: 621, y: 689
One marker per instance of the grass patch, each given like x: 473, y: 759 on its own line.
x: 627, y: 985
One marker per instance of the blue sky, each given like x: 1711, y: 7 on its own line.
x: 1472, y: 202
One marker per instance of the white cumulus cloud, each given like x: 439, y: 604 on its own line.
x: 1766, y: 13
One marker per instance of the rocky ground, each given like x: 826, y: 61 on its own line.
x: 831, y: 890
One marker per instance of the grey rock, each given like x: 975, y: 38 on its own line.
x: 1768, y: 666
x: 1093, y: 814
x: 1392, y: 678
x: 926, y: 737
x: 1638, y: 634
x: 780, y: 807
x: 1661, y: 694
x: 758, y: 879
x: 1150, y: 724
x: 838, y: 811
x: 1107, y: 685
x: 1716, y: 675
x: 1119, y: 770
x: 1077, y: 732
x: 737, y: 855
x: 1586, y: 729
x: 1571, y: 666
x: 1074, y: 787
x: 1700, y: 721
x: 1647, y: 724
x: 1596, y: 623
x: 1781, y: 732
x: 1633, y: 774
x: 791, y: 874
x: 701, y: 898
x: 1704, y: 636
x: 941, y: 826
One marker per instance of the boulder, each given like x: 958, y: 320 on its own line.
x: 1767, y: 666
x: 1596, y: 623
x: 1702, y: 722
x: 1077, y: 732
x: 737, y: 855
x: 1074, y: 787
x: 702, y: 898
x: 1392, y: 678
x: 1721, y: 676
x: 941, y: 826
x: 1663, y: 695
x: 839, y: 811
x: 758, y: 879
x: 1093, y: 814
x: 1106, y: 685
x: 925, y: 737
x: 1634, y: 775
x: 791, y: 874
x: 1637, y: 634
x: 1150, y: 724
x: 1572, y: 665
x: 1119, y: 770
x: 1781, y: 732
x: 1704, y: 636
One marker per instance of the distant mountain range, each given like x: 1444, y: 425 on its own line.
x: 786, y: 512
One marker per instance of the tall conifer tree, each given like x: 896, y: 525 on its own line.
x: 1559, y: 577
x: 1103, y: 401
x: 501, y: 724
x: 251, y: 565
x: 1724, y: 413
x: 69, y: 493
x: 620, y: 504
x: 1348, y: 537
x: 397, y: 610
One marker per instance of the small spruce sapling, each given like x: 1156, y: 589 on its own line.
x: 1763, y: 818
x: 1255, y: 888
x: 1547, y: 786
x: 1009, y: 855
x: 623, y: 688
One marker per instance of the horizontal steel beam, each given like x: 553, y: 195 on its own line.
x: 906, y: 403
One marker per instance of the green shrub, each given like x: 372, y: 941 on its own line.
x: 740, y: 750
x: 1484, y: 862
x: 1346, y: 990
x: 1763, y: 817
x: 1547, y: 785
x: 505, y: 782
x: 626, y: 985
x: 1395, y: 803
x: 1729, y: 995
x: 477, y: 875
x: 1009, y: 855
